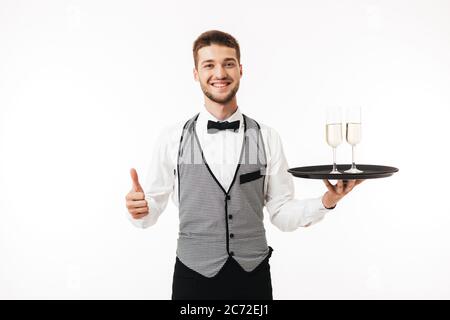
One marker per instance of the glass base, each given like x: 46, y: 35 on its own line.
x: 353, y: 170
x: 335, y: 172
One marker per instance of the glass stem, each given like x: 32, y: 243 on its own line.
x: 334, y: 159
x: 353, y: 157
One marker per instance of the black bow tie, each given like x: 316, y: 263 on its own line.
x: 214, y: 126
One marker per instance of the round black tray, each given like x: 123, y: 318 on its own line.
x: 323, y: 172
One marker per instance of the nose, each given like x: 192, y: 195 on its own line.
x: 220, y: 72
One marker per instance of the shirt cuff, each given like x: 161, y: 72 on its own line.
x: 317, y: 211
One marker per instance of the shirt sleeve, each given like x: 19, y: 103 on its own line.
x: 159, y: 182
x: 286, y: 212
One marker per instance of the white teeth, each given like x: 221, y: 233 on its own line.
x: 217, y: 85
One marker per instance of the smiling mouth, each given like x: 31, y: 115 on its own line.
x: 220, y: 85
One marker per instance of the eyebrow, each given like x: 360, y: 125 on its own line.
x: 226, y: 59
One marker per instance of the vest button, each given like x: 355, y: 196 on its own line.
x: 230, y: 216
x: 231, y: 235
x: 231, y: 253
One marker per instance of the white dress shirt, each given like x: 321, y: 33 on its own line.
x: 221, y: 151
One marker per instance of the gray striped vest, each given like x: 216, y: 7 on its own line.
x: 217, y: 224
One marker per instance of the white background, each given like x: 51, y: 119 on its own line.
x: 87, y: 86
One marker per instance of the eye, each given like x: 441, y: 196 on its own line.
x: 209, y: 65
x: 230, y: 64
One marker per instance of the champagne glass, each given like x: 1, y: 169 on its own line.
x: 334, y: 132
x: 353, y: 133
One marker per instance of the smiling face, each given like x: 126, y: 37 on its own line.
x: 219, y: 72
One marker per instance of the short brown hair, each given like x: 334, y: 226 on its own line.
x: 215, y: 37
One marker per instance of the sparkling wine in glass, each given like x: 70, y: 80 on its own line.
x: 334, y: 132
x: 353, y: 133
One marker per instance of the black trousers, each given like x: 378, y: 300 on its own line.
x: 231, y: 283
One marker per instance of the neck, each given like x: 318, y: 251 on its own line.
x: 221, y: 111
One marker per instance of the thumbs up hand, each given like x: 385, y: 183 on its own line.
x: 135, y: 199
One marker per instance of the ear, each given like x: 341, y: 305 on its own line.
x: 240, y: 69
x: 195, y: 74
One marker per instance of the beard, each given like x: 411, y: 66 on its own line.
x: 217, y: 99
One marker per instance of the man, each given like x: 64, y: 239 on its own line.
x: 222, y: 167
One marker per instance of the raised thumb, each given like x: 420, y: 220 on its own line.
x: 134, y: 177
